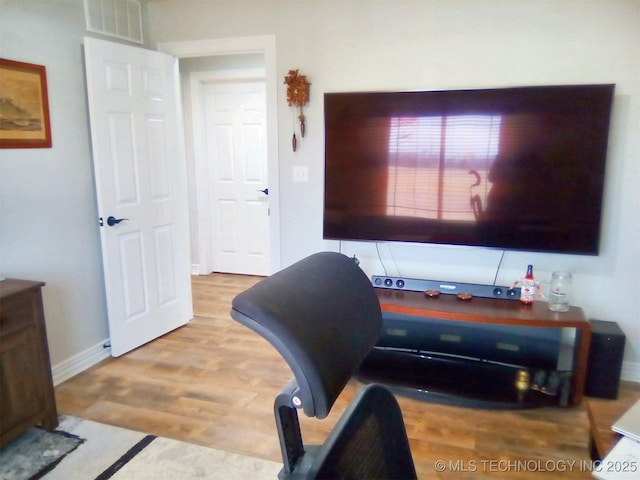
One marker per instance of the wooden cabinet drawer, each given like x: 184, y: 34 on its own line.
x: 17, y: 312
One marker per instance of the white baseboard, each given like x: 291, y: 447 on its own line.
x: 630, y: 371
x: 195, y: 269
x: 80, y: 362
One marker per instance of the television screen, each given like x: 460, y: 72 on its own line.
x: 512, y: 168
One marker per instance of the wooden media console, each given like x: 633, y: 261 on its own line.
x: 475, y: 352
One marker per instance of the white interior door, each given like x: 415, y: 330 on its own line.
x: 235, y: 126
x: 141, y: 183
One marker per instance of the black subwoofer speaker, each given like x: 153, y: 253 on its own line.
x: 605, y: 360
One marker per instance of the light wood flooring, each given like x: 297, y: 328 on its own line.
x: 213, y: 382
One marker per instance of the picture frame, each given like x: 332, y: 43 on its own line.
x: 24, y: 105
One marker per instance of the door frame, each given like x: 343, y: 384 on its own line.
x: 265, y: 45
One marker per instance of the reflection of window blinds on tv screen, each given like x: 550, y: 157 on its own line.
x: 513, y: 168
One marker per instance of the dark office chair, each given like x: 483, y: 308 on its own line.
x: 323, y: 317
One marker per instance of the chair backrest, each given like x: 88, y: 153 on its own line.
x: 368, y: 442
x: 323, y: 317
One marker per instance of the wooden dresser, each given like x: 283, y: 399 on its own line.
x: 26, y: 385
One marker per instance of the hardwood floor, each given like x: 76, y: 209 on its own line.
x: 213, y: 382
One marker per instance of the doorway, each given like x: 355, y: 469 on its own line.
x: 229, y: 61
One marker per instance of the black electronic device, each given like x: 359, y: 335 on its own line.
x: 605, y: 360
x: 447, y: 288
x: 509, y: 168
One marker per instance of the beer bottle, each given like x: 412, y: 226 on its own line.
x: 528, y: 289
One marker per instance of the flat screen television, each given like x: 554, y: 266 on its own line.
x: 512, y: 168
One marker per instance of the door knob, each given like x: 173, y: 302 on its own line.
x: 111, y: 221
x: 265, y: 191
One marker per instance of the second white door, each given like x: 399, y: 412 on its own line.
x: 236, y: 151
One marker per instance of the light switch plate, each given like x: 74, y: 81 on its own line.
x: 300, y: 174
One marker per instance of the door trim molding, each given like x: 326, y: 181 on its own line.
x: 266, y: 45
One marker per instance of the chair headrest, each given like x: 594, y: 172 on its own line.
x: 323, y: 317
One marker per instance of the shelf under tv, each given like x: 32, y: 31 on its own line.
x: 469, y: 353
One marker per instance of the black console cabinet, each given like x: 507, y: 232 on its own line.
x: 470, y: 352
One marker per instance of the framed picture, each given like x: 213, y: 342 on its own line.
x: 24, y: 106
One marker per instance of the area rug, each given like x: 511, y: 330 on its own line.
x: 108, y: 452
x: 35, y: 452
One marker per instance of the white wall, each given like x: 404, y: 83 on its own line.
x: 346, y: 45
x: 48, y: 216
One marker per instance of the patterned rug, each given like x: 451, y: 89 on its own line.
x: 105, y: 452
x: 35, y: 452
